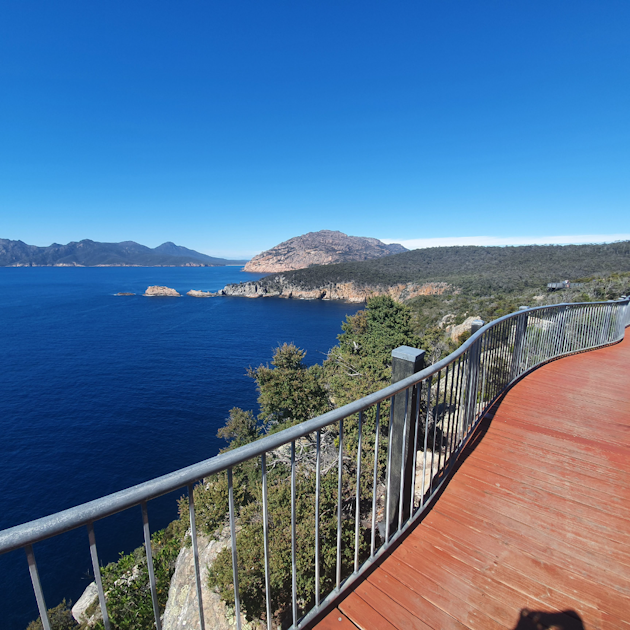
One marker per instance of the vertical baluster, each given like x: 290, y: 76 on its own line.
x: 536, y: 334
x: 293, y: 554
x: 589, y: 325
x: 435, y: 421
x: 357, y: 524
x: 426, y: 436
x: 444, y: 425
x: 416, y: 424
x: 482, y: 365
x: 97, y: 575
x: 498, y: 366
x: 193, y: 536
x: 147, y: 547
x: 375, y: 479
x: 550, y: 317
x: 602, y: 319
x: 389, y: 466
x: 149, y: 555
x: 461, y: 372
x: 505, y: 352
x: 401, y: 494
x: 317, y: 493
x: 37, y: 587
x: 526, y: 349
x: 592, y: 325
x: 508, y: 353
x: 451, y: 414
x: 237, y: 594
x: 339, y: 491
x: 454, y: 428
x: 492, y: 362
x: 263, y: 464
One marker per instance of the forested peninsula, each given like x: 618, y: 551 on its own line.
x: 470, y: 270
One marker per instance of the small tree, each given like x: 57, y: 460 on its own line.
x: 289, y: 392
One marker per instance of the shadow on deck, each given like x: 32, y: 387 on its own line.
x: 533, y: 529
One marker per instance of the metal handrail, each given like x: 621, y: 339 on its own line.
x: 477, y: 373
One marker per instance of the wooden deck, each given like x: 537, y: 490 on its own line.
x: 536, y: 520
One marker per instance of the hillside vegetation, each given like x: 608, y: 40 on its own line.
x: 473, y: 270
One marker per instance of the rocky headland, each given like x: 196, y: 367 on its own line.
x: 319, y: 248
x: 281, y: 287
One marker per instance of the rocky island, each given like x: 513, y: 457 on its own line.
x: 319, y: 248
x: 158, y: 291
x: 200, y: 294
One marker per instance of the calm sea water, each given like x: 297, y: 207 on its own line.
x: 99, y: 392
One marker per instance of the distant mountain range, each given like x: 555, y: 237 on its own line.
x: 89, y: 253
x: 325, y: 247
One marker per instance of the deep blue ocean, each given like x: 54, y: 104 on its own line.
x: 99, y: 392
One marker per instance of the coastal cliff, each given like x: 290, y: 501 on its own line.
x: 279, y: 286
x: 319, y: 248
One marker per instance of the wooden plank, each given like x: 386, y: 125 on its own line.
x: 612, y: 598
x: 594, y: 517
x: 462, y: 601
x: 545, y: 537
x: 442, y: 527
x: 569, y: 460
x: 362, y: 614
x: 412, y: 601
x: 391, y: 610
x: 553, y: 470
x: 577, y: 533
x: 595, y: 492
x: 514, y: 586
x: 336, y: 620
x: 502, y: 597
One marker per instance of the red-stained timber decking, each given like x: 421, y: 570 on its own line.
x: 536, y: 519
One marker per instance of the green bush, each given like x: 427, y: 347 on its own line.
x: 60, y: 618
x: 126, y: 583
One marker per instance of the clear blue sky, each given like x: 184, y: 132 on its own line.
x: 230, y: 126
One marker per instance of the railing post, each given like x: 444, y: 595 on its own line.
x: 405, y: 362
x: 475, y: 325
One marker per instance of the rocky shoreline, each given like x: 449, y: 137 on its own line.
x: 342, y: 291
x: 281, y: 288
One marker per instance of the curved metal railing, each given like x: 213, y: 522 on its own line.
x: 409, y: 434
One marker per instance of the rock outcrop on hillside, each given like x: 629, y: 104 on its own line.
x: 182, y: 608
x: 345, y: 291
x: 319, y: 248
x: 456, y: 331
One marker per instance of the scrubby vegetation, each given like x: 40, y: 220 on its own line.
x: 358, y: 365
x: 473, y: 270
